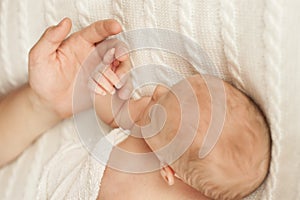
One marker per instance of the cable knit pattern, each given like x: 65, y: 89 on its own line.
x: 36, y: 159
x: 149, y: 8
x: 82, y: 12
x: 117, y: 12
x: 4, y: 46
x: 77, y: 178
x: 23, y: 35
x: 272, y: 41
x: 55, y: 189
x: 228, y: 31
x: 185, y: 17
x: 50, y: 12
x: 149, y: 19
x: 150, y: 22
x: 13, y: 178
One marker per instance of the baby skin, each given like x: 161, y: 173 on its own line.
x: 234, y: 168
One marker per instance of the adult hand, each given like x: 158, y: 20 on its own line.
x: 56, y: 59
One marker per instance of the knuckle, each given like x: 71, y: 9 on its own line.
x: 101, y: 26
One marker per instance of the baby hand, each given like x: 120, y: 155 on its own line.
x: 110, y: 76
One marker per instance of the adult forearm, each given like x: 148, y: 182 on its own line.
x: 23, y: 118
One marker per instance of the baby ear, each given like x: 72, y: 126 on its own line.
x: 168, y: 174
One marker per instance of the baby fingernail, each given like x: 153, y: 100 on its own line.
x: 163, y: 173
x: 100, y: 91
x: 121, y: 82
x: 113, y: 91
x: 119, y: 85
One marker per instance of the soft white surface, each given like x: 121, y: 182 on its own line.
x: 254, y: 43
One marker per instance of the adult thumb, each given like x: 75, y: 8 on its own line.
x: 52, y: 39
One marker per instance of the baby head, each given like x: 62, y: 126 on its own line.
x: 239, y: 161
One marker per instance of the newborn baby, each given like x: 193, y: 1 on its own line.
x: 236, y: 165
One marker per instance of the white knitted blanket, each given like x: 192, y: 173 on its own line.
x: 254, y: 43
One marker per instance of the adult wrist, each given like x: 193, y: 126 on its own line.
x: 41, y: 106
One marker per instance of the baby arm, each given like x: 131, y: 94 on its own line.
x: 106, y: 81
x: 108, y: 87
x: 117, y: 112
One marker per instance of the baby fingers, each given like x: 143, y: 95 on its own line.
x: 103, y: 86
x: 111, y: 76
x: 106, y: 81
